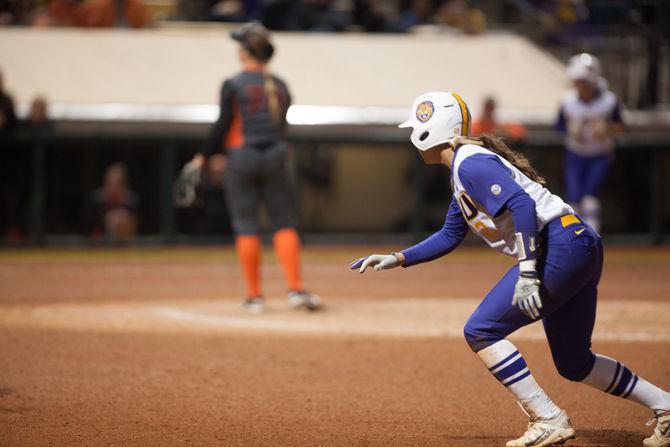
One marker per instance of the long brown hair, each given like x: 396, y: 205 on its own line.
x: 517, y: 159
x: 274, y: 103
x: 257, y: 42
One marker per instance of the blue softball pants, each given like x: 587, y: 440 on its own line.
x: 569, y: 266
x: 584, y: 175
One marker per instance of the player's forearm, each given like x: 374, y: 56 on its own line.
x: 214, y: 142
x: 435, y: 246
x: 524, y: 216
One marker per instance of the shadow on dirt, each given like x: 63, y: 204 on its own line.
x: 585, y: 438
x: 607, y: 438
x: 5, y: 391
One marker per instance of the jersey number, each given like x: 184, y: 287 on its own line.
x: 467, y: 207
x: 470, y: 213
x: 256, y: 94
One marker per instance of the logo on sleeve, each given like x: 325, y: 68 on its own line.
x: 496, y: 189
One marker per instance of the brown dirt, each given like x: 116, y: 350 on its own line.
x: 108, y: 384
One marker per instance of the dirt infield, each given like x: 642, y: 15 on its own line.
x: 150, y: 347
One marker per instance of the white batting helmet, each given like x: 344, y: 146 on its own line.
x: 585, y: 67
x: 437, y: 118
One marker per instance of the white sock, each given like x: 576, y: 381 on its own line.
x: 508, y: 366
x: 590, y: 208
x: 612, y: 377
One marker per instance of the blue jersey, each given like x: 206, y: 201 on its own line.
x: 494, y: 199
x: 484, y: 182
x: 586, y: 124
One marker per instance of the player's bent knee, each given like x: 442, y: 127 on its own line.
x: 479, y: 337
x: 575, y: 372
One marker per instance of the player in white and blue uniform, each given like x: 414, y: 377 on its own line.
x: 499, y: 196
x: 589, y: 116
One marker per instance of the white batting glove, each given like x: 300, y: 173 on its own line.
x: 377, y: 262
x: 527, y: 294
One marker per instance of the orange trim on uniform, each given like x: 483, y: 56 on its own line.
x: 287, y: 249
x: 254, y: 68
x: 465, y: 115
x: 235, y: 137
x: 249, y: 251
x: 569, y: 219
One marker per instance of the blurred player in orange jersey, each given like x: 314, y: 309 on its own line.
x: 512, y: 133
x: 250, y: 133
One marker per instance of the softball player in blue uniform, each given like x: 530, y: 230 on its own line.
x: 589, y: 116
x: 499, y: 196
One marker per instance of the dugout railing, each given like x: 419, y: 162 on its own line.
x: 637, y: 191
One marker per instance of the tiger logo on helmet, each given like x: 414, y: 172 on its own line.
x: 437, y: 118
x: 424, y: 111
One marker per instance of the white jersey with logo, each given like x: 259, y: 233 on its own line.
x: 499, y: 231
x: 587, y: 123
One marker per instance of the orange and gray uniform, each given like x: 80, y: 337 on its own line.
x: 253, y: 141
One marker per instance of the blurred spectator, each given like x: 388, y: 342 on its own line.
x: 116, y: 13
x: 416, y: 12
x: 309, y: 15
x: 38, y: 118
x: 326, y: 15
x: 10, y: 167
x: 114, y: 208
x: 512, y: 133
x: 458, y: 14
x: 374, y: 16
x: 222, y: 10
x: 228, y: 11
x: 194, y: 10
x: 563, y: 20
x: 17, y: 12
x: 59, y: 13
x: 16, y: 180
x: 7, y: 114
x: 475, y: 22
x: 453, y: 13
x: 284, y: 15
x: 6, y: 13
x: 95, y: 13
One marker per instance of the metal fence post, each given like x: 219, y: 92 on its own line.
x: 167, y: 169
x: 37, y: 201
x: 656, y: 213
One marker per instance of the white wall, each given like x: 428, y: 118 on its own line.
x: 178, y: 67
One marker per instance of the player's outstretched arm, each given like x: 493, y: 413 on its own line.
x: 378, y: 262
x: 442, y: 242
x: 437, y: 245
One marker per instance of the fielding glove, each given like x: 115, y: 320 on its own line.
x: 527, y: 294
x: 378, y: 262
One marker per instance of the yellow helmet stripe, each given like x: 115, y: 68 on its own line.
x: 465, y: 115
